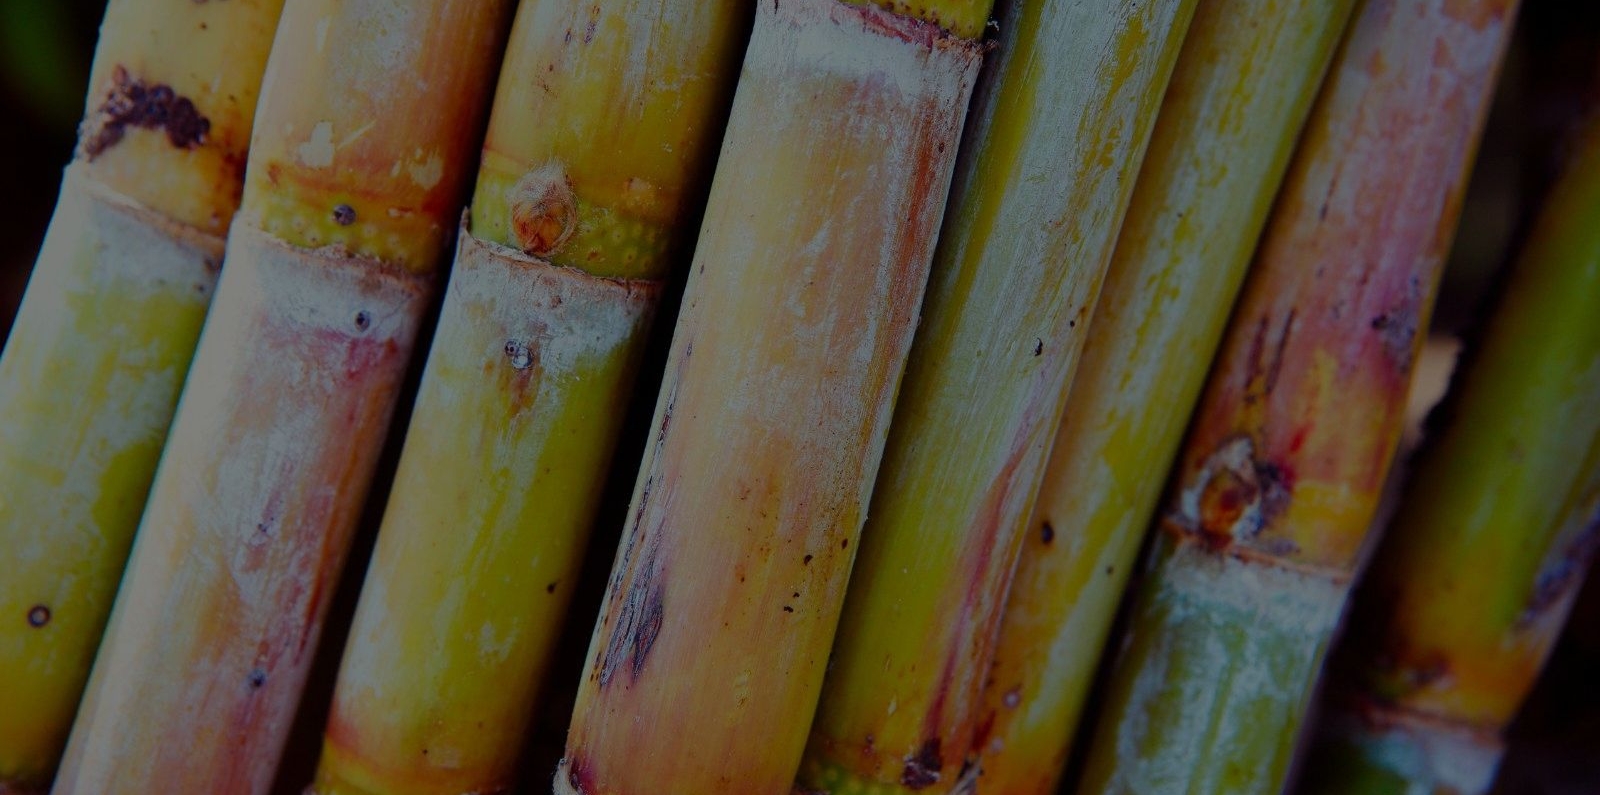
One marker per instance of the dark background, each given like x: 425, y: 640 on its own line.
x: 1549, y: 82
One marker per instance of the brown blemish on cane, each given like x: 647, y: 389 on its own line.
x: 1233, y: 495
x: 1563, y: 570
x: 922, y: 768
x: 544, y: 210
x: 38, y: 616
x: 131, y: 102
x: 551, y: 588
x: 579, y: 777
x: 1398, y: 332
x: 592, y: 25
x: 638, y: 623
x: 1264, y: 371
x: 1047, y: 534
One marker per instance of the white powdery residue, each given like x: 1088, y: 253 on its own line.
x: 1284, y: 600
x: 387, y: 37
x: 317, y: 151
x: 493, y: 647
x: 269, y: 284
x: 1431, y: 758
x: 114, y: 398
x: 579, y: 316
x: 426, y: 172
x: 236, y: 447
x: 1238, y: 622
x: 146, y: 260
x: 810, y: 33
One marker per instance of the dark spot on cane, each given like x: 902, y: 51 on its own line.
x: 130, y: 102
x: 922, y: 769
x: 38, y: 616
x: 257, y: 678
x: 1038, y: 346
x: 520, y: 354
x: 363, y: 320
x: 1047, y: 534
x: 806, y: 561
x: 344, y: 215
x: 551, y: 588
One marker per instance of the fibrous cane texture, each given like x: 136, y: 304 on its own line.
x: 1243, y: 85
x: 349, y: 195
x: 1057, y: 134
x: 1284, y: 463
x: 93, y: 365
x: 604, y: 120
x: 1473, y: 581
x: 704, y: 670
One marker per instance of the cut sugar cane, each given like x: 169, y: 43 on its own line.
x: 596, y: 156
x: 356, y: 176
x: 1472, y: 583
x: 1281, y: 473
x: 93, y: 365
x: 1055, y: 140
x: 1202, y: 199
x: 704, y: 670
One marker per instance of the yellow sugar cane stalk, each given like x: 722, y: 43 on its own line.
x: 603, y: 127
x: 1241, y: 91
x: 1281, y: 473
x: 1480, y: 568
x: 368, y: 117
x: 91, y: 371
x: 704, y: 670
x: 1056, y: 139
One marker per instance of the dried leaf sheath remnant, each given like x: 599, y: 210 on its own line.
x: 1201, y: 201
x: 289, y: 398
x: 1477, y: 573
x: 1288, y: 451
x: 93, y: 365
x: 1058, y: 132
x: 594, y: 160
x: 704, y: 669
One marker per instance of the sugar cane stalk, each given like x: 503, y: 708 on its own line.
x: 366, y: 126
x: 704, y: 670
x: 1281, y: 473
x: 1057, y: 136
x: 603, y: 126
x: 91, y: 371
x: 1201, y: 201
x: 1481, y: 566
